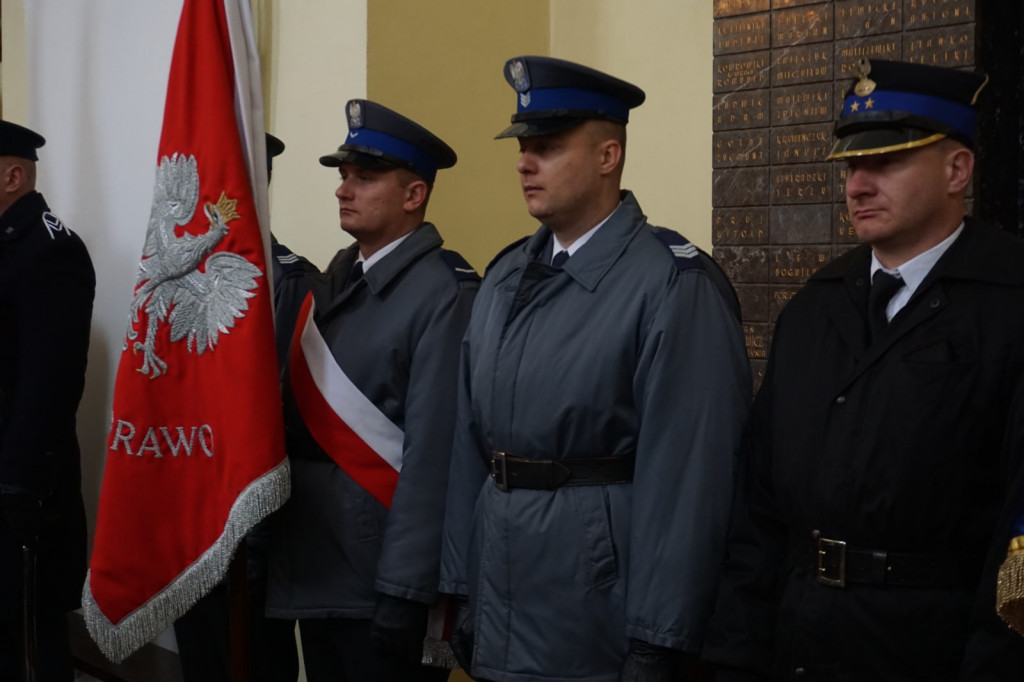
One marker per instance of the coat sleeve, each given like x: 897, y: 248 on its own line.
x: 467, y: 474
x: 410, y: 555
x: 742, y: 629
x: 692, y: 392
x: 52, y: 321
x: 994, y: 651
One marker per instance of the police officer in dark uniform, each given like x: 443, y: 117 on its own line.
x: 203, y: 634
x: 46, y: 293
x: 355, y: 551
x: 886, y: 455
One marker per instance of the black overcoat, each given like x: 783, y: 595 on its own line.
x: 910, y: 444
x: 46, y: 293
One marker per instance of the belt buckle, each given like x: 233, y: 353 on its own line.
x: 831, y: 572
x: 499, y: 471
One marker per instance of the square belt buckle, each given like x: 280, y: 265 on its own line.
x: 832, y: 562
x: 499, y: 471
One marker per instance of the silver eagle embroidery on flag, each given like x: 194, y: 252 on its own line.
x: 170, y: 288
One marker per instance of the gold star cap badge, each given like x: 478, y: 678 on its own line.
x: 865, y: 86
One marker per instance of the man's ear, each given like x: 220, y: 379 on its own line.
x: 610, y: 155
x: 959, y: 168
x: 416, y: 193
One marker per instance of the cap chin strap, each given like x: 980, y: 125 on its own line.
x: 882, y: 150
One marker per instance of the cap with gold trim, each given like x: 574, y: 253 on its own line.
x: 900, y: 105
x: 554, y: 95
x: 16, y: 140
x: 382, y: 139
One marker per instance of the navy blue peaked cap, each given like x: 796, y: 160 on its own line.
x: 16, y: 140
x: 274, y: 148
x: 553, y: 95
x: 900, y: 105
x: 382, y: 139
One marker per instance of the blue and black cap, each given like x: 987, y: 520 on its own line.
x: 554, y: 95
x: 381, y: 139
x: 899, y: 105
x: 16, y: 140
x: 274, y: 148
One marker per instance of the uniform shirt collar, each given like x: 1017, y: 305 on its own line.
x: 557, y: 247
x: 913, y: 271
x: 381, y: 253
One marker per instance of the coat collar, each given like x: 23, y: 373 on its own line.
x: 591, y: 263
x: 21, y: 215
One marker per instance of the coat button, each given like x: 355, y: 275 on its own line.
x: 799, y: 671
x: 935, y: 303
x: 841, y: 400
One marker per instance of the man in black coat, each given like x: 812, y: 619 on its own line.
x: 874, y: 508
x: 46, y: 293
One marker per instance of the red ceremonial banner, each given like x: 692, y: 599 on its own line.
x: 195, y: 453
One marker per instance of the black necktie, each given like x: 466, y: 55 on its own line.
x: 883, y: 286
x: 559, y: 260
x: 354, y: 275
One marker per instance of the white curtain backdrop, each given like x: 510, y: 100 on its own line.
x: 97, y: 82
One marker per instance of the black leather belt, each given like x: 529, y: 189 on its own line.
x: 548, y: 474
x: 836, y: 564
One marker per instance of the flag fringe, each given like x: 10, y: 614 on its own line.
x: 119, y: 640
x: 1010, y: 586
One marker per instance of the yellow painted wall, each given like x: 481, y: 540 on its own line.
x: 313, y: 57
x: 664, y: 47
x: 440, y: 64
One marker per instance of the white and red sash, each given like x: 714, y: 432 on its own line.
x: 350, y: 429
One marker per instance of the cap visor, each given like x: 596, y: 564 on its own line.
x: 538, y: 127
x: 371, y: 161
x: 882, y: 141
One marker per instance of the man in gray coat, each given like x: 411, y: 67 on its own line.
x: 603, y: 390
x: 369, y: 394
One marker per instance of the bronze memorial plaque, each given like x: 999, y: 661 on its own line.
x: 951, y: 46
x: 806, y: 64
x: 811, y: 24
x: 810, y: 224
x: 744, y: 109
x: 801, y: 144
x: 757, y: 340
x: 742, y: 71
x: 856, y: 18
x: 729, y: 8
x: 742, y: 34
x: 781, y: 295
x: 784, y: 4
x: 932, y: 13
x: 743, y: 264
x: 842, y: 227
x: 741, y: 226
x: 741, y: 148
x: 739, y: 187
x: 755, y: 301
x: 848, y: 52
x: 801, y: 104
x: 794, y: 264
x: 809, y: 183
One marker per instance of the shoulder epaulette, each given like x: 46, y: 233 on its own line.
x: 289, y: 261
x: 54, y: 226
x: 685, y: 255
x: 501, y: 253
x: 462, y: 270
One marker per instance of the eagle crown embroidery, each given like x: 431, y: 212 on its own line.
x: 170, y: 288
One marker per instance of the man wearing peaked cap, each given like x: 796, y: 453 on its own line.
x: 46, y: 293
x: 886, y: 436
x: 369, y: 393
x: 605, y: 388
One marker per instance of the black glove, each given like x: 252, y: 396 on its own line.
x: 463, y: 634
x: 23, y: 514
x: 650, y: 663
x: 399, y: 627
